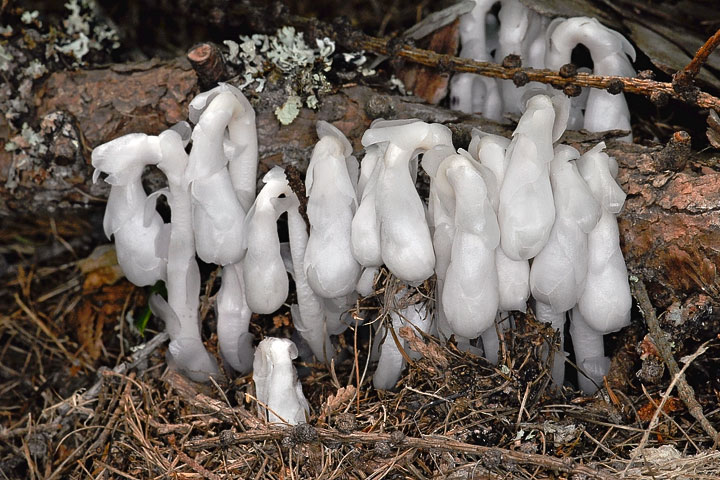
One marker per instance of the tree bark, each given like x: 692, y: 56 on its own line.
x: 670, y: 226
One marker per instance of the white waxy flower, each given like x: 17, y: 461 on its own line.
x: 365, y: 224
x: 277, y: 388
x: 472, y: 93
x: 310, y: 316
x: 330, y: 266
x: 217, y: 213
x: 605, y: 303
x: 513, y: 275
x: 266, y: 281
x: 527, y: 212
x: 470, y: 296
x: 180, y: 312
x: 404, y: 234
x: 391, y: 361
x: 138, y: 233
x: 233, y: 320
x: 443, y: 227
x: 522, y: 33
x: 240, y: 143
x: 609, y: 51
x: 557, y: 277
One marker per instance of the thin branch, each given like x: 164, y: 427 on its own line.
x: 640, y: 86
x: 685, y: 391
x: 430, y: 442
x: 693, y: 68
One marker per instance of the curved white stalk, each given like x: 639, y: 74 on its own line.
x: 527, y: 212
x: 138, y: 235
x: 557, y: 277
x: 391, y: 361
x: 404, y: 234
x: 180, y: 312
x: 513, y: 275
x: 589, y: 353
x: 329, y: 264
x: 609, y: 51
x: 470, y: 296
x: 266, y: 281
x: 217, y: 213
x: 277, y: 388
x: 233, y: 320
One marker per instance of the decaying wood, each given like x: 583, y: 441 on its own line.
x: 670, y: 225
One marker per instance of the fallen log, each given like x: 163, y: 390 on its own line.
x: 670, y: 226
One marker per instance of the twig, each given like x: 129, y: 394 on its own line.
x: 443, y: 62
x: 427, y: 443
x: 653, y: 421
x: 693, y: 68
x: 685, y: 391
x: 135, y: 359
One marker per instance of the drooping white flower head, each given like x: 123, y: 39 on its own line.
x: 404, y: 234
x: 233, y: 320
x: 527, y: 212
x: 472, y: 93
x: 513, y: 275
x: 277, y: 388
x: 609, y: 51
x: 138, y: 233
x: 521, y: 33
x: 470, y: 294
x: 329, y: 263
x: 240, y: 143
x: 217, y: 212
x: 557, y: 277
x: 266, y: 281
x: 365, y: 224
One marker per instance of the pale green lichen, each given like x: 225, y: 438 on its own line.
x: 303, y: 67
x: 29, y: 17
x: 289, y: 111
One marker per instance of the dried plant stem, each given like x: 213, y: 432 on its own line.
x: 685, y: 391
x: 693, y: 68
x: 429, y: 58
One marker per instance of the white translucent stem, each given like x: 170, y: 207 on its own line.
x: 589, y: 353
x: 234, y: 338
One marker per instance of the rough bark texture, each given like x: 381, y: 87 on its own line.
x: 670, y: 225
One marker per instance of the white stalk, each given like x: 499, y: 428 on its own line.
x: 589, y: 353
x: 330, y: 266
x: 233, y: 320
x: 138, y: 235
x: 404, y: 234
x: 609, y: 51
x: 470, y: 296
x: 217, y: 213
x: 266, y: 280
x: 180, y: 312
x: 513, y: 286
x: 277, y: 388
x: 557, y: 277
